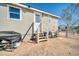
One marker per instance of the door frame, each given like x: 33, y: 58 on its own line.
x: 41, y: 26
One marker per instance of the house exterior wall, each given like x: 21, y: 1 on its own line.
x: 21, y: 26
x: 49, y: 26
x: 45, y: 23
x: 53, y: 25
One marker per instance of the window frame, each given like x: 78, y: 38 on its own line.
x: 8, y: 13
x: 37, y: 21
x: 49, y: 19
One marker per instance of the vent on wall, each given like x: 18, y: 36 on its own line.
x: 29, y: 6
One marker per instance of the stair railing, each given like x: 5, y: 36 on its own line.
x: 28, y: 31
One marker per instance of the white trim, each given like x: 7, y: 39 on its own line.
x: 8, y: 15
x: 41, y: 23
x: 37, y: 14
x: 49, y: 20
x: 20, y: 5
x: 35, y: 23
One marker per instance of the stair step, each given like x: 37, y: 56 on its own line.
x: 43, y: 40
x: 39, y: 37
x: 42, y: 37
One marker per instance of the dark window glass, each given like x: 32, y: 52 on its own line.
x: 16, y: 16
x: 12, y: 9
x: 1, y: 4
x: 14, y: 13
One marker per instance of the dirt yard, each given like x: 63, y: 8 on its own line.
x: 59, y: 46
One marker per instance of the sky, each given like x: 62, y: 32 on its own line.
x: 53, y: 8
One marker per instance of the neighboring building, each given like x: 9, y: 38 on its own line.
x: 18, y: 17
x: 62, y: 27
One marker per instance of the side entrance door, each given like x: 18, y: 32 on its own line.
x: 37, y: 23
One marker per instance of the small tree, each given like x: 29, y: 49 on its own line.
x: 77, y: 28
x: 68, y: 15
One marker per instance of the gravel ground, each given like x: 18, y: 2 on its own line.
x: 60, y: 46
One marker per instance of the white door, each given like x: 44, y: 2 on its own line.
x: 37, y: 22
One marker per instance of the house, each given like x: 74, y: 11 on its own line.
x: 21, y: 18
x: 62, y: 27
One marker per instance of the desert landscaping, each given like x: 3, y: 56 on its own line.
x: 60, y: 46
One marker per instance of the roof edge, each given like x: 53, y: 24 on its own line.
x: 31, y: 8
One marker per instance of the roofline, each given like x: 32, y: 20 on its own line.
x: 34, y: 9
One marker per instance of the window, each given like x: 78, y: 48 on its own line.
x: 14, y: 13
x: 37, y: 18
x: 1, y: 4
x: 49, y: 20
